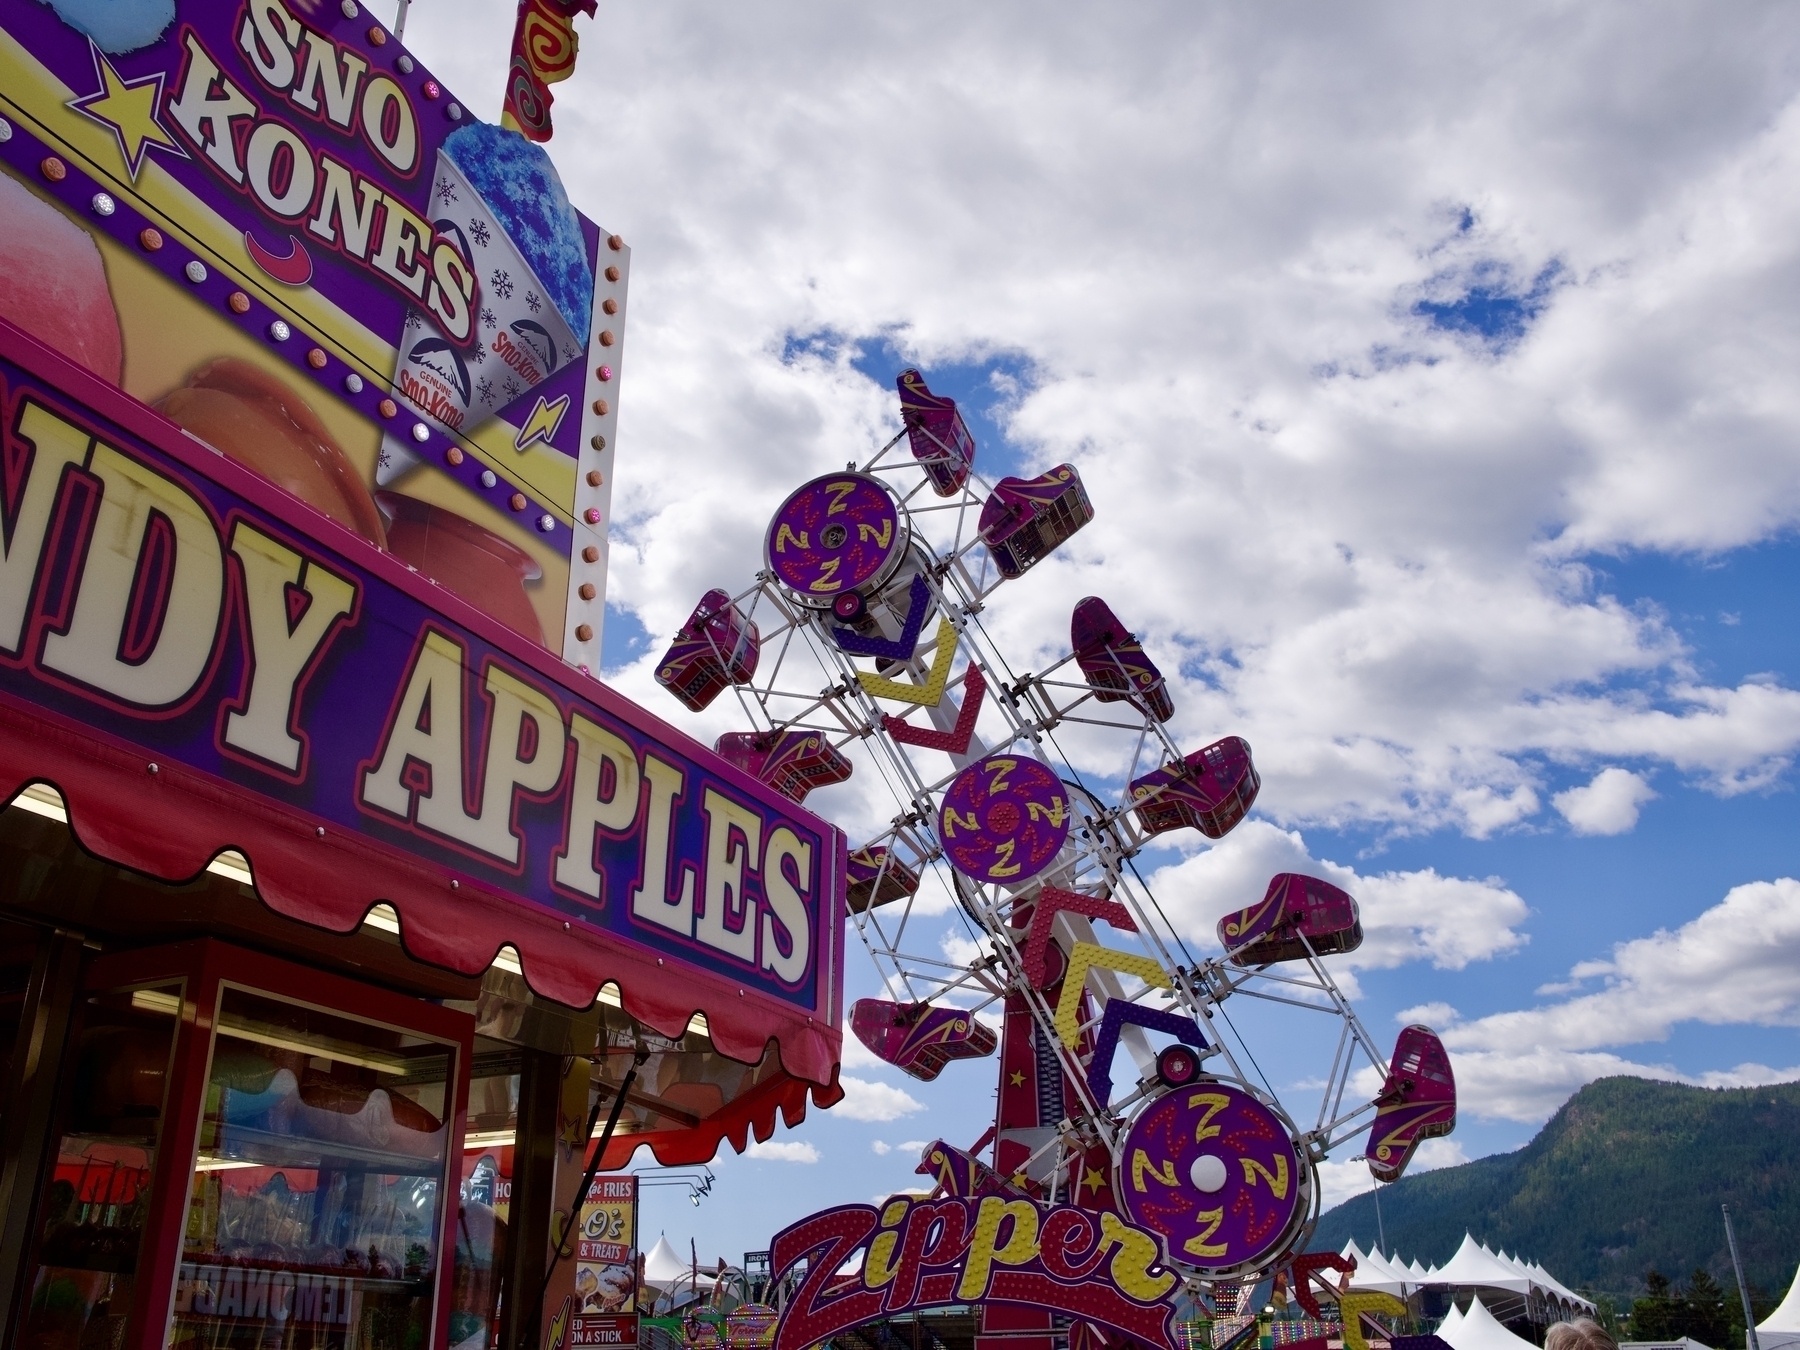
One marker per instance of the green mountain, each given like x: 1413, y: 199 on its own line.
x: 1626, y: 1178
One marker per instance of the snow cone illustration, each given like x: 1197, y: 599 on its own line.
x: 498, y: 200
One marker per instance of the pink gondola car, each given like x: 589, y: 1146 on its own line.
x: 1298, y: 912
x: 793, y: 762
x: 1112, y: 661
x: 1027, y: 518
x: 917, y: 1038
x: 877, y: 877
x: 717, y: 646
x: 1210, y: 791
x: 935, y: 431
x: 1417, y: 1102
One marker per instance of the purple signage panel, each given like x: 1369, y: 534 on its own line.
x: 199, y: 662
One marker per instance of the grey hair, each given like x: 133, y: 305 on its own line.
x: 1584, y: 1333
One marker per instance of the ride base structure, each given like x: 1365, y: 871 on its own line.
x: 1104, y: 1190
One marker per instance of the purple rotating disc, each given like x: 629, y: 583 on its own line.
x: 1216, y: 1173
x: 838, y: 533
x: 1004, y: 818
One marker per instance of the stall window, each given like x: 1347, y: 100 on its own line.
x: 91, y: 1209
x: 18, y: 947
x: 314, y: 1214
x: 486, y: 1198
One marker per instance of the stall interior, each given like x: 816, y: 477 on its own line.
x: 224, y: 1128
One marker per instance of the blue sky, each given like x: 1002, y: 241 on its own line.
x: 1430, y: 369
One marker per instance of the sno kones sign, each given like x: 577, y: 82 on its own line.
x: 1093, y: 1267
x: 199, y: 662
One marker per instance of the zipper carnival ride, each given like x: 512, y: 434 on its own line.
x: 863, y: 636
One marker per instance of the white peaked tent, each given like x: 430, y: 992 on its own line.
x: 1474, y: 1264
x: 1375, y: 1271
x: 662, y: 1267
x: 1451, y: 1321
x: 1782, y: 1327
x: 1479, y: 1330
x: 1514, y: 1286
x: 1556, y: 1286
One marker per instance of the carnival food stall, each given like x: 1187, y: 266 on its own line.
x: 337, y: 899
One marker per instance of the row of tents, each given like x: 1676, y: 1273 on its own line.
x: 1474, y: 1266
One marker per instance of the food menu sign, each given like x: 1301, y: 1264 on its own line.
x: 606, y: 1265
x: 275, y: 204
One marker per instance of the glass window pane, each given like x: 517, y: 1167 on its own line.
x: 481, y: 1225
x: 90, y: 1214
x: 313, y: 1216
x: 18, y: 947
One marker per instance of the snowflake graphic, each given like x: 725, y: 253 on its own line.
x: 502, y: 283
x: 479, y: 232
x: 533, y: 302
x: 571, y: 353
x: 512, y: 389
x: 478, y: 354
x: 484, y: 390
x: 487, y: 318
x: 382, y: 458
x: 446, y: 191
x: 413, y: 319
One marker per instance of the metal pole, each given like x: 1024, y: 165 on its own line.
x: 1381, y: 1232
x: 1750, y: 1340
x: 400, y: 21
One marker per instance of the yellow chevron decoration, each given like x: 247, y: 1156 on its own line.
x: 1353, y: 1305
x: 929, y: 694
x: 1087, y: 956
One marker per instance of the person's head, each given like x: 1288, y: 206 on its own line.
x: 1584, y: 1333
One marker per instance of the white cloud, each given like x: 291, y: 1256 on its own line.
x: 1737, y: 963
x: 1384, y: 529
x: 1607, y: 805
x: 865, y: 1099
x: 917, y: 1192
x: 1406, y: 916
x: 1748, y: 1075
x: 1437, y: 1016
x: 1348, y: 1176
x: 881, y: 1146
x: 856, y: 1055
x: 785, y: 1150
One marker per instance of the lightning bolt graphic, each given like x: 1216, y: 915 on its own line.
x: 545, y: 418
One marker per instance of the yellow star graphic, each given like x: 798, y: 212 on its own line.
x: 127, y: 108
x: 1094, y: 1180
x: 1017, y: 1079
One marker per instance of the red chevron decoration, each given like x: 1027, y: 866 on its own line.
x: 956, y: 740
x: 1050, y: 903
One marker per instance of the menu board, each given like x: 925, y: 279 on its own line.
x: 606, y: 1265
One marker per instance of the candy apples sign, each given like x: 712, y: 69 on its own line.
x: 1094, y: 1267
x: 198, y: 662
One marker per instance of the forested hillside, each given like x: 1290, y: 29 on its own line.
x: 1625, y: 1179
